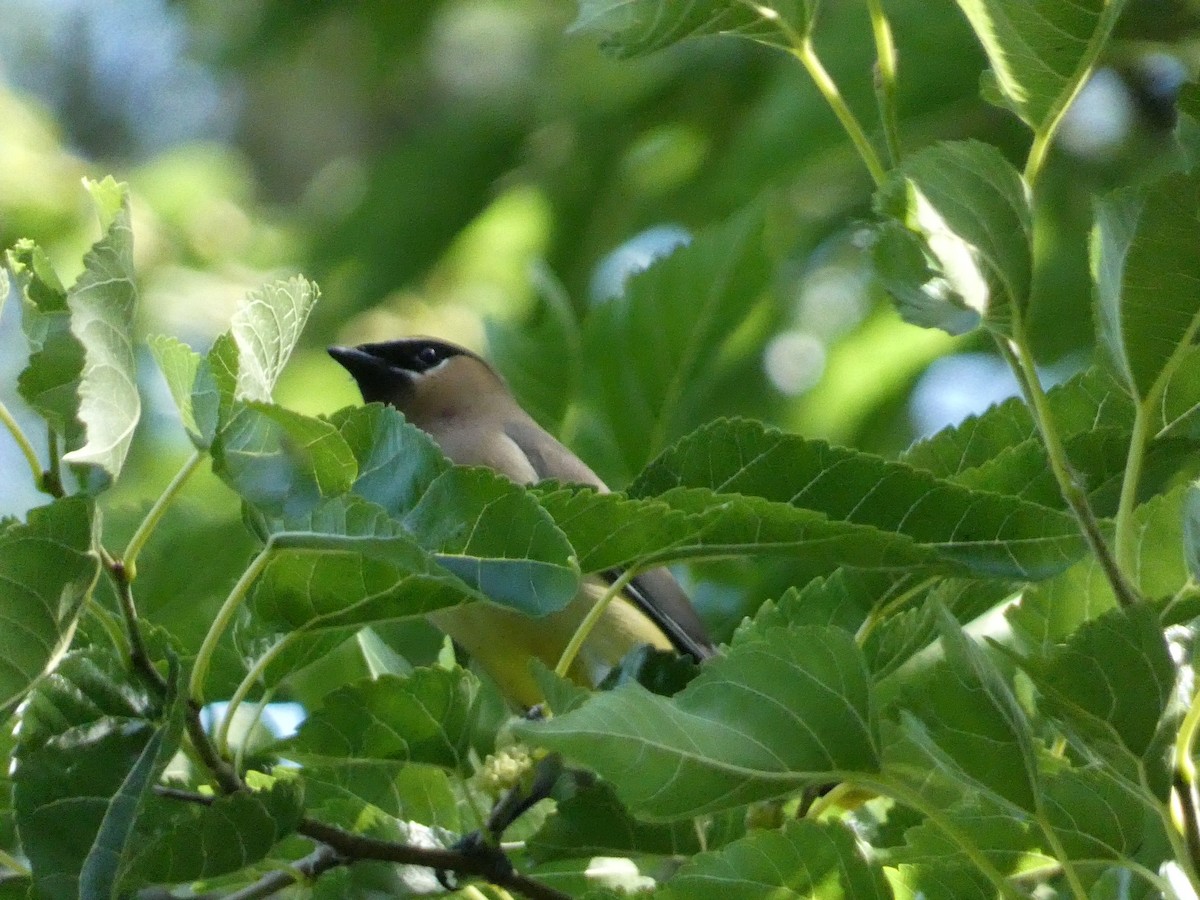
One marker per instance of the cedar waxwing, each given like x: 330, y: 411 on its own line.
x: 465, y: 406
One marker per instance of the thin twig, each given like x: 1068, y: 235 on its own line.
x: 357, y: 847
x: 320, y: 860
x: 138, y: 655
x: 1016, y: 354
x: 225, y: 775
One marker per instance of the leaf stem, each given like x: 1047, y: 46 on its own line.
x: 882, y: 611
x: 1130, y: 482
x: 155, y: 514
x: 1064, y: 858
x: 589, y: 622
x: 806, y: 53
x: 1020, y: 360
x: 885, y: 79
x: 109, y: 624
x: 244, y: 688
x: 23, y: 442
x: 1185, y: 804
x: 1039, y: 150
x: 14, y: 865
x: 222, y: 621
x: 138, y: 655
x: 903, y: 794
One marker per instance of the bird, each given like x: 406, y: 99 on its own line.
x: 462, y: 402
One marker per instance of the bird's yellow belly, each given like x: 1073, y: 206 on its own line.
x: 503, y: 641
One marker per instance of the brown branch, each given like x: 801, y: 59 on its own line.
x: 320, y: 860
x: 227, y: 778
x: 350, y: 847
x: 139, y: 658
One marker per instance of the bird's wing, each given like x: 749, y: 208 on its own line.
x: 659, y: 596
x: 549, y: 458
x: 656, y: 592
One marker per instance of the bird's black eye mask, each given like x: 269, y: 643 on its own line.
x: 385, y: 371
x: 413, y: 356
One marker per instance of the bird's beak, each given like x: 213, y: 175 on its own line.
x: 357, y: 362
x: 376, y: 378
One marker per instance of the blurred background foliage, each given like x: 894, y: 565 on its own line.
x: 474, y: 170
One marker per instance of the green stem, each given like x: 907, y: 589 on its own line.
x: 222, y: 621
x: 109, y: 624
x: 1125, y: 545
x: 885, y: 79
x: 239, y: 757
x: 244, y: 688
x: 885, y: 609
x: 14, y: 865
x: 903, y: 794
x: 807, y: 55
x: 1064, y: 859
x: 23, y: 442
x: 1044, y: 138
x: 150, y: 522
x: 1020, y: 360
x: 589, y: 622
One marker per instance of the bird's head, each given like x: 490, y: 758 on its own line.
x: 422, y: 377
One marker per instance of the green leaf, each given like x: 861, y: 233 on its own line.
x: 632, y: 27
x: 281, y: 462
x: 592, y: 822
x: 421, y: 718
x: 180, y: 365
x: 1095, y: 815
x: 1097, y: 460
x: 348, y: 564
x: 1146, y: 272
x: 908, y: 269
x: 1089, y: 401
x: 945, y: 880
x: 974, y: 720
x: 901, y: 636
x: 184, y: 842
x: 1037, y: 49
x: 970, y: 209
x: 47, y: 572
x: 804, y: 859
x: 92, y: 745
x: 214, y: 388
x: 612, y: 530
x: 991, y: 535
x: 780, y: 711
x: 353, y: 567
x: 102, y: 303
x: 1113, y: 678
x: 1008, y: 838
x: 266, y: 328
x: 1191, y: 530
x: 403, y: 791
x: 673, y: 324
x: 1049, y: 612
x: 50, y: 383
x: 396, y: 461
x: 492, y: 535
